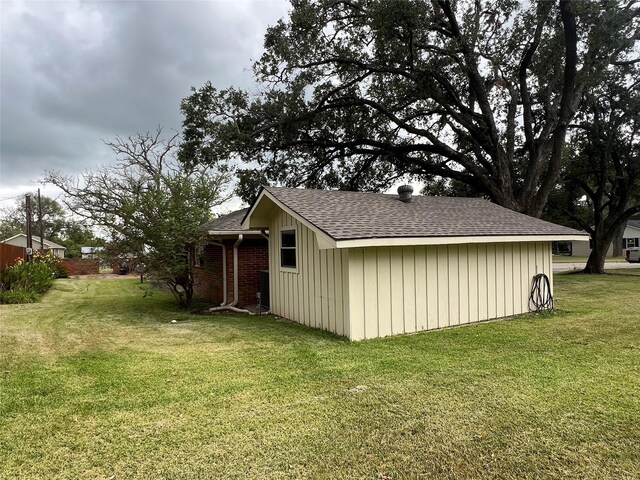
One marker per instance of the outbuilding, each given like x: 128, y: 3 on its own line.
x: 367, y: 265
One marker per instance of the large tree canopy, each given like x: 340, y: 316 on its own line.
x: 355, y: 94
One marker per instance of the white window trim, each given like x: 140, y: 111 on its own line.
x: 294, y: 229
x: 630, y: 242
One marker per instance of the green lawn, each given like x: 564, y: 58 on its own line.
x: 583, y: 260
x: 96, y: 382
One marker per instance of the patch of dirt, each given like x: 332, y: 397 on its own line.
x: 358, y: 389
x: 104, y: 275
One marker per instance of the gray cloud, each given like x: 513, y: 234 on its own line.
x: 74, y: 73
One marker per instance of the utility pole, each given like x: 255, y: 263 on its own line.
x: 29, y: 239
x: 41, y: 223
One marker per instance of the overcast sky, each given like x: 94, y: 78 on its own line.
x: 73, y: 73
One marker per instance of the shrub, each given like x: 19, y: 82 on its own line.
x: 18, y: 296
x: 23, y: 281
x: 29, y: 276
x: 54, y: 263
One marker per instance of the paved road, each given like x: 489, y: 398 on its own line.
x: 565, y: 267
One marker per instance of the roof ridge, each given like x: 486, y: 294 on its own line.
x: 345, y: 214
x: 325, y: 191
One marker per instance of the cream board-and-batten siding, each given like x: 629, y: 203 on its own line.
x: 371, y: 292
x: 375, y: 286
x: 315, y: 293
x: 396, y: 290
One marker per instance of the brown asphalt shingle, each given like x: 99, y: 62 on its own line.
x: 231, y: 221
x: 355, y: 215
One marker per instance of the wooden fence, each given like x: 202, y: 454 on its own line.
x: 10, y: 253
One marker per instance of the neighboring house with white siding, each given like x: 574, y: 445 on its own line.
x: 91, y: 253
x: 20, y: 240
x: 366, y: 265
x: 630, y: 238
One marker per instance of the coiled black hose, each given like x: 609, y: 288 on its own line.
x: 541, y: 298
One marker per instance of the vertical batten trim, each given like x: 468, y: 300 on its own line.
x: 376, y: 293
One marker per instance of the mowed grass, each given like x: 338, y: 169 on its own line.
x: 583, y: 260
x: 96, y: 382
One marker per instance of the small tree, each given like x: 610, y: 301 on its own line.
x: 153, y: 205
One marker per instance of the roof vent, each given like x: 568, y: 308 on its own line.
x: 405, y: 193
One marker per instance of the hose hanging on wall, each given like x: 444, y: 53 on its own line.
x: 541, y: 298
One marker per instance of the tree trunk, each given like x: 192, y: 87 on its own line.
x: 188, y: 295
x: 595, y: 263
x: 617, y: 240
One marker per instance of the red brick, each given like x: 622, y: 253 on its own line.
x: 253, y: 256
x: 81, y: 266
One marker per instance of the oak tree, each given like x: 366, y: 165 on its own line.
x: 601, y: 179
x: 354, y: 94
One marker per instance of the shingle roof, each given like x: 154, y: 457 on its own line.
x: 355, y: 215
x: 633, y: 223
x: 229, y: 222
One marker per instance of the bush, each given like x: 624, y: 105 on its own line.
x: 29, y: 276
x: 18, y: 296
x: 54, y: 263
x: 23, y: 281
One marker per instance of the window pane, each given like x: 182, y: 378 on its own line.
x: 288, y: 257
x: 288, y: 238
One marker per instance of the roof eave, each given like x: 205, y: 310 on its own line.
x: 50, y: 244
x: 408, y: 241
x: 217, y: 233
x: 325, y: 241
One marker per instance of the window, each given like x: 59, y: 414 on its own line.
x: 288, y: 249
x: 631, y: 242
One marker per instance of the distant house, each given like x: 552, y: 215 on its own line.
x: 20, y: 240
x: 366, y: 265
x: 91, y: 252
x: 630, y: 238
x: 230, y: 266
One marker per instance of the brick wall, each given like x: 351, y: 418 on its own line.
x: 81, y: 266
x: 208, y: 278
x: 253, y: 256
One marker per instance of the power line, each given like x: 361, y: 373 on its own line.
x: 11, y: 198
